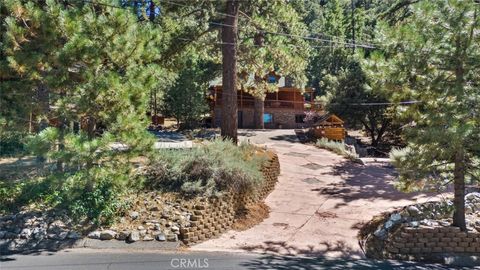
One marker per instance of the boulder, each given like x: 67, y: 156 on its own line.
x: 161, y: 237
x: 25, y: 233
x: 107, y: 235
x: 147, y: 238
x: 123, y: 235
x: 134, y: 236
x: 73, y: 235
x: 94, y: 235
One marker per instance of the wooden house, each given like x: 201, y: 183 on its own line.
x: 329, y: 126
x: 284, y: 108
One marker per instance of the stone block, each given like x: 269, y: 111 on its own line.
x: 415, y: 250
x: 452, y: 244
x: 419, y: 245
x: 463, y: 244
x: 458, y: 249
x: 470, y: 249
x: 393, y: 249
x: 437, y: 249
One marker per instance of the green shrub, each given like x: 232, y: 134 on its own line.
x: 12, y: 143
x: 207, y: 170
x: 94, y: 194
x: 336, y: 147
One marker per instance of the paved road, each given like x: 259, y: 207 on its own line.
x: 127, y: 260
x: 319, y: 203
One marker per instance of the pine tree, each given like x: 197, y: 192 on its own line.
x: 432, y: 58
x: 97, y: 62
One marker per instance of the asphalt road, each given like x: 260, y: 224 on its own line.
x: 137, y: 260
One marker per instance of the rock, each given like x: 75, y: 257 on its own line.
x: 413, y: 211
x: 142, y: 232
x: 94, y: 235
x: 395, y: 217
x: 2, y: 234
x: 473, y: 196
x: 172, y: 237
x: 25, y: 233
x: 161, y: 237
x: 157, y: 227
x: 123, y: 235
x: 61, y: 236
x: 134, y: 236
x: 134, y: 215
x: 73, y: 235
x: 389, y: 224
x: 380, y: 233
x: 56, y: 227
x: 147, y: 238
x: 427, y: 222
x: 141, y: 228
x: 107, y: 235
x: 175, y: 228
x: 154, y: 208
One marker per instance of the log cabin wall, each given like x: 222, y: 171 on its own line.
x: 285, y: 107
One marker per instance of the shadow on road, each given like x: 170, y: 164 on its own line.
x: 308, y: 263
x: 282, y: 247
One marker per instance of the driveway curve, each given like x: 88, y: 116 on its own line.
x: 318, y: 204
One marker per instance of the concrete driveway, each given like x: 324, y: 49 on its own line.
x: 319, y: 203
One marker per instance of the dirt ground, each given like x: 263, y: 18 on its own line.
x: 319, y: 203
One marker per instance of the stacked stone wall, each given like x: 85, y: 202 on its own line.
x: 423, y: 232
x: 214, y: 216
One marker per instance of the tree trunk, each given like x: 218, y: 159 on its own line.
x: 459, y: 187
x: 229, y: 78
x: 258, y: 110
x: 43, y: 97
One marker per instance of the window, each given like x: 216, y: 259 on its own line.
x: 267, y: 118
x: 300, y: 118
x: 272, y: 79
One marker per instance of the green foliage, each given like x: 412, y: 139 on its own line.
x: 12, y: 143
x: 95, y: 195
x: 336, y: 147
x: 186, y: 100
x: 348, y: 94
x: 216, y: 167
x: 431, y: 58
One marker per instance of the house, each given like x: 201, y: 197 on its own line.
x: 329, y: 126
x: 284, y: 108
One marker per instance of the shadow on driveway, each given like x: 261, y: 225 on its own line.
x: 370, y: 182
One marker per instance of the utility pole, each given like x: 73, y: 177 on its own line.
x: 229, y: 72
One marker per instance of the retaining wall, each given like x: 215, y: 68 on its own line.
x: 214, y: 216
x: 423, y: 232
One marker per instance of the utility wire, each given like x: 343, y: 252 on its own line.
x: 367, y: 46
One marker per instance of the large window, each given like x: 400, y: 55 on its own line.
x: 267, y: 118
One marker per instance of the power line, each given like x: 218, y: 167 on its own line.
x: 366, y: 46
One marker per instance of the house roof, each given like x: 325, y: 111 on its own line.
x: 328, y: 118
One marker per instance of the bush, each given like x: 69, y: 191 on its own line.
x: 207, y: 170
x: 336, y: 147
x: 95, y: 194
x: 12, y: 143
